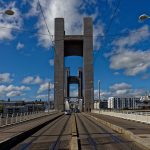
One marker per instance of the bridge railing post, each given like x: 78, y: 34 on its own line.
x: 24, y: 116
x: 1, y: 120
x: 12, y: 118
x: 16, y: 117
x: 6, y: 119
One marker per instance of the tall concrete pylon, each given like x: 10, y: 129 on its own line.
x: 73, y: 45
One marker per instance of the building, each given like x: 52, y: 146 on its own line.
x: 102, y: 104
x: 123, y: 102
x: 10, y: 107
x: 96, y: 104
x: 144, y: 102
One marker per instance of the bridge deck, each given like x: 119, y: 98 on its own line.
x: 14, y: 132
x: 133, y: 126
x: 90, y: 133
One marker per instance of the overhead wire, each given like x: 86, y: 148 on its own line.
x: 118, y: 35
x: 45, y: 21
x: 52, y: 42
x: 109, y: 25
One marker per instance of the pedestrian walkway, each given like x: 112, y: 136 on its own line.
x: 137, y: 131
x: 16, y: 132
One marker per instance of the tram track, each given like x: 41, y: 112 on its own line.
x: 43, y: 138
x: 94, y: 135
x: 91, y: 141
x: 22, y: 132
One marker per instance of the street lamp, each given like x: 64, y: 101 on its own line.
x: 143, y: 17
x: 7, y: 12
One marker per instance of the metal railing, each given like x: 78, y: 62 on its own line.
x: 10, y: 119
x: 140, y: 116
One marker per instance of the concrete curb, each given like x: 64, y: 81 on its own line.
x: 74, y: 139
x: 11, y: 142
x: 123, y: 131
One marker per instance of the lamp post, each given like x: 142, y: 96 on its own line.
x: 99, y: 90
x: 99, y: 94
x: 48, y: 97
x: 143, y: 17
x: 7, y: 12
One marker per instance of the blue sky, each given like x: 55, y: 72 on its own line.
x: 121, y: 46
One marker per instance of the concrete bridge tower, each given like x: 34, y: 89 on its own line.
x: 73, y: 45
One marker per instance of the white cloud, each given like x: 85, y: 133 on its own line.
x: 12, y: 90
x: 9, y: 22
x: 134, y: 37
x: 68, y: 9
x: 42, y: 96
x: 51, y: 62
x: 43, y: 87
x: 98, y: 32
x: 74, y: 93
x: 19, y: 46
x: 14, y: 93
x: 5, y: 78
x: 120, y: 86
x: 125, y: 56
x: 45, y: 96
x: 133, y: 62
x: 116, y: 73
x: 32, y: 80
x: 103, y: 94
x: 124, y: 89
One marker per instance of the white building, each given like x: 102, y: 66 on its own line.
x: 123, y: 102
x: 96, y: 104
x: 144, y: 102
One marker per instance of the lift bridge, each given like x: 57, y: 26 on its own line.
x: 74, y: 103
x: 54, y: 130
x: 73, y: 45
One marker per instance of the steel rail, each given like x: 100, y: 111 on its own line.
x: 90, y: 139
x: 47, y: 128
x: 55, y: 146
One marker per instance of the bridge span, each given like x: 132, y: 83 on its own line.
x: 76, y: 131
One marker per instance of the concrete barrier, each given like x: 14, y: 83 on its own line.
x: 125, y: 115
x: 144, y: 145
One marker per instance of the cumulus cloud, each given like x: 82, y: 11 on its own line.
x: 120, y: 86
x: 14, y: 93
x: 19, y: 46
x: 116, y: 73
x: 42, y: 96
x: 103, y: 94
x: 44, y: 87
x: 12, y: 90
x: 133, y: 62
x: 5, y: 78
x: 32, y: 80
x: 125, y: 56
x: 51, y: 62
x: 45, y: 97
x: 74, y: 93
x: 124, y: 89
x: 134, y: 37
x: 119, y: 90
x: 72, y: 10
x: 9, y: 22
